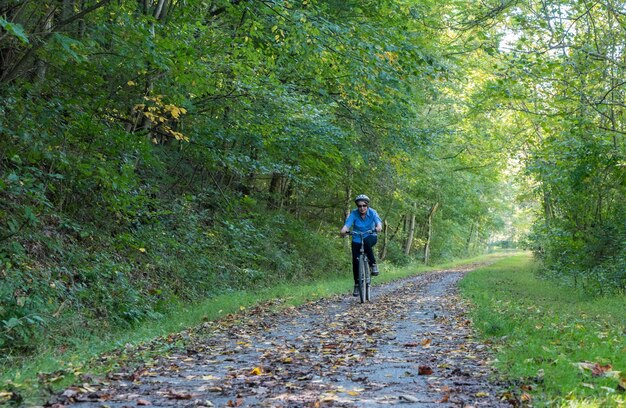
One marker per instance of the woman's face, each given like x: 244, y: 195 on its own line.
x: 362, y: 206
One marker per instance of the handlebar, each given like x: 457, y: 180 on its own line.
x: 368, y: 232
x: 361, y: 234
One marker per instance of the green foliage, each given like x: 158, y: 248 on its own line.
x: 549, y: 339
x: 556, y: 93
x: 148, y: 159
x: 166, y: 258
x: 580, y: 239
x: 15, y: 29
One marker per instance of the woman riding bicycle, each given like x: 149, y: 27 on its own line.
x: 362, y: 219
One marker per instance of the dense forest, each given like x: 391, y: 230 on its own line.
x: 163, y: 151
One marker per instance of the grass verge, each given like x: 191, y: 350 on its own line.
x: 32, y: 382
x: 555, y: 345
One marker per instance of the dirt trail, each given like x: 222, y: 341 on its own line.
x: 411, y: 346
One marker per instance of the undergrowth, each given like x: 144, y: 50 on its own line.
x: 65, y: 286
x: 555, y: 345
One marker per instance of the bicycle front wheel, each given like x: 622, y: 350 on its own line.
x: 362, y: 273
x: 368, y: 281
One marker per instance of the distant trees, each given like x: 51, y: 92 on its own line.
x: 567, y: 64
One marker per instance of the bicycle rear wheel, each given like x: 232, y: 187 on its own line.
x: 362, y: 283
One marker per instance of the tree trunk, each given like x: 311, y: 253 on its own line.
x: 383, y: 250
x: 41, y: 67
x: 393, y: 234
x: 348, y: 201
x: 159, y: 9
x: 469, y: 239
x: 409, y: 239
x: 273, y: 200
x: 429, y: 235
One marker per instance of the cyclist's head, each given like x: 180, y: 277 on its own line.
x: 362, y: 198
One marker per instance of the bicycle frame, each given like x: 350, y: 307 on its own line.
x: 364, y: 283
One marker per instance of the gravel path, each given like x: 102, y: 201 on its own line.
x: 411, y: 346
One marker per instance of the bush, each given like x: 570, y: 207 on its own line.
x: 82, y: 282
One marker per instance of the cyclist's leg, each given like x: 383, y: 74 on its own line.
x: 369, y: 243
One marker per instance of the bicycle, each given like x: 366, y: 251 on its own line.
x: 365, y: 274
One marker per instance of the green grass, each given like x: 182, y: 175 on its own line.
x: 54, y: 369
x: 548, y: 338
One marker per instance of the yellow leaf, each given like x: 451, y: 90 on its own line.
x: 142, y: 249
x: 257, y: 371
x: 130, y: 83
x: 5, y: 395
x: 353, y: 393
x: 482, y: 394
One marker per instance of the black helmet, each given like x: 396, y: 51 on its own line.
x: 362, y: 197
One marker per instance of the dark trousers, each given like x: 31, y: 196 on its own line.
x: 370, y: 241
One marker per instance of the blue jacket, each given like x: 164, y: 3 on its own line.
x: 359, y: 224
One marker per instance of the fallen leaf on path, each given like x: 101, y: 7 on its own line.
x: 70, y: 393
x: 408, y: 398
x: 143, y: 402
x: 179, y: 395
x: 237, y: 403
x: 424, y: 370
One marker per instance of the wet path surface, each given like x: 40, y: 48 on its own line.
x: 411, y: 346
